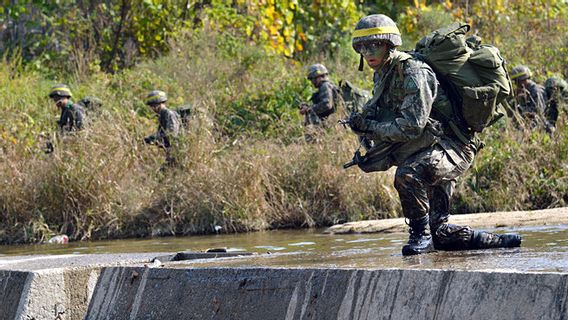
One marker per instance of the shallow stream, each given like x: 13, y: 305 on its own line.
x: 543, y: 249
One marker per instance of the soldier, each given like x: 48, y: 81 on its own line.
x: 72, y: 115
x: 530, y: 97
x: 431, y: 156
x: 168, y: 124
x: 323, y: 101
x: 556, y: 90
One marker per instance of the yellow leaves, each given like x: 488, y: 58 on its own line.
x: 298, y: 46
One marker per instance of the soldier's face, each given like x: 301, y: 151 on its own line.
x: 156, y: 107
x: 316, y: 82
x: 60, y: 101
x: 374, y: 53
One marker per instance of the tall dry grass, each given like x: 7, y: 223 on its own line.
x: 244, y: 165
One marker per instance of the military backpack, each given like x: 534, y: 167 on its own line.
x: 473, y: 75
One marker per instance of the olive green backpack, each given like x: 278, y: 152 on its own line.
x: 474, y: 77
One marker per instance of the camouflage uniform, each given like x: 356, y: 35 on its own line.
x: 556, y: 90
x: 72, y: 117
x: 531, y: 102
x: 322, y: 104
x: 169, y: 124
x: 424, y: 180
x: 428, y: 154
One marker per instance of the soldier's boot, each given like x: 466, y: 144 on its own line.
x: 487, y: 240
x: 420, y: 240
x: 453, y: 237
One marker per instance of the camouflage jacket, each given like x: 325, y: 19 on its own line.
x: 168, y: 127
x: 531, y: 99
x: 323, y: 104
x: 399, y: 113
x: 72, y: 117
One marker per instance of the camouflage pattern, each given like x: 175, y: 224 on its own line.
x: 156, y: 97
x: 61, y: 90
x: 169, y: 124
x: 322, y: 104
x: 316, y: 70
x: 377, y: 21
x: 556, y: 91
x: 72, y: 118
x: 520, y: 72
x: 531, y: 103
x: 425, y: 180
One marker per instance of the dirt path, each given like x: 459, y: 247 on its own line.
x: 545, y: 217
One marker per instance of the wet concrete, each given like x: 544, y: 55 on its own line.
x: 242, y: 293
x: 61, y: 286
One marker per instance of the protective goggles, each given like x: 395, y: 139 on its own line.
x: 368, y: 48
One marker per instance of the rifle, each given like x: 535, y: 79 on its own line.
x: 377, y: 156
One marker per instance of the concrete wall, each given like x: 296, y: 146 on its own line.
x: 12, y: 286
x: 46, y: 294
x: 168, y: 293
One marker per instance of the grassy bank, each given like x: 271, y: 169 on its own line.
x: 244, y: 164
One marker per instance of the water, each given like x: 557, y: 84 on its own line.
x: 544, y: 249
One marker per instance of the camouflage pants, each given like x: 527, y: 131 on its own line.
x: 425, y: 181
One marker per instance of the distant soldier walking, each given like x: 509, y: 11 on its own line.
x: 72, y: 117
x: 324, y: 102
x: 530, y: 97
x: 168, y: 124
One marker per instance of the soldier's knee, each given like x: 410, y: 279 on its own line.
x: 404, y: 178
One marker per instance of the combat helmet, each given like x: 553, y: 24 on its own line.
x: 316, y: 70
x: 520, y: 72
x: 555, y: 82
x: 60, y: 90
x: 375, y: 27
x: 156, y: 97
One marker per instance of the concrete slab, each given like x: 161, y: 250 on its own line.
x: 61, y: 286
x: 260, y: 293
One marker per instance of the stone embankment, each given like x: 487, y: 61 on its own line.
x: 547, y: 217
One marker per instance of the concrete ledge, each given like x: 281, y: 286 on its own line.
x: 166, y: 293
x: 557, y: 216
x: 48, y: 287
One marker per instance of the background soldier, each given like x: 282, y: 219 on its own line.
x: 430, y: 157
x: 168, y: 124
x: 530, y: 97
x: 556, y: 95
x: 72, y: 115
x: 323, y: 101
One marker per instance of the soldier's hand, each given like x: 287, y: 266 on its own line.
x: 357, y: 122
x: 304, y: 109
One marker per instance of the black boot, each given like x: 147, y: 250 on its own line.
x: 487, y: 240
x: 452, y: 237
x: 420, y: 240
